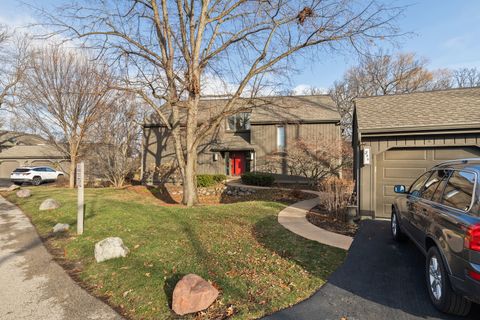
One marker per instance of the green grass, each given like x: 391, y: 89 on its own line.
x: 258, y: 266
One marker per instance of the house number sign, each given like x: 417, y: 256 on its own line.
x: 367, y: 156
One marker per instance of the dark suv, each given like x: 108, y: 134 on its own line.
x: 440, y: 213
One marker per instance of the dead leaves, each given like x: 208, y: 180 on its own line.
x: 304, y: 14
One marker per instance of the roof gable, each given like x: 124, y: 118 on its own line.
x: 429, y: 110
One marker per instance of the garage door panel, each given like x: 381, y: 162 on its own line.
x: 405, y: 165
x: 408, y: 155
x: 405, y: 173
x: 450, y: 153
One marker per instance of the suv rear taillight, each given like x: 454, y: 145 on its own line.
x: 472, y: 238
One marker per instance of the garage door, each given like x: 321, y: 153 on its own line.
x: 6, y: 168
x: 403, y: 166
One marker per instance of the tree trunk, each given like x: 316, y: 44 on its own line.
x: 190, y: 196
x: 73, y: 165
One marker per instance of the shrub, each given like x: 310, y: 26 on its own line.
x: 258, y: 179
x: 335, y: 195
x: 208, y: 180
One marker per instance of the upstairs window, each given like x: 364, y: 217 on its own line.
x: 239, y: 122
x: 280, y: 138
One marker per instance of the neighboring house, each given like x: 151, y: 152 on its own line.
x: 398, y: 137
x: 246, y: 141
x: 21, y: 149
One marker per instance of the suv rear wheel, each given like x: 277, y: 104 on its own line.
x: 397, y: 233
x: 36, y: 181
x: 440, y: 289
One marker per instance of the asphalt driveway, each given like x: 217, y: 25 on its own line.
x: 380, y: 279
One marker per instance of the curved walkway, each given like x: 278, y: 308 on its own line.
x: 32, y: 285
x: 294, y: 219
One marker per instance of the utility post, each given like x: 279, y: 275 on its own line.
x: 81, y: 202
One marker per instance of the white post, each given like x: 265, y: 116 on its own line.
x: 80, y: 203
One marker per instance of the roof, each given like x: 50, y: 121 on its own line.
x: 12, y: 138
x: 231, y: 143
x: 420, y: 111
x: 275, y: 109
x: 35, y: 151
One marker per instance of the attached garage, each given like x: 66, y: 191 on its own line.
x: 21, y: 149
x: 6, y: 168
x: 398, y: 137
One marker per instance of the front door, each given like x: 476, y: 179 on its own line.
x: 237, y: 163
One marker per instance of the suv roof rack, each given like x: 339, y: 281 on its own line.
x: 458, y: 161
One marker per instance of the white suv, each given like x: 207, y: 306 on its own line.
x: 34, y: 175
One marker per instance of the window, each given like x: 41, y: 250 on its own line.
x: 433, y: 183
x: 459, y: 190
x: 239, y: 122
x: 417, y: 185
x: 280, y: 138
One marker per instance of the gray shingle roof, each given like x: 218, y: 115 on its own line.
x: 454, y: 108
x: 35, y: 151
x: 274, y: 109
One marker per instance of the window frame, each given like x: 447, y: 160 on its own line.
x: 434, y: 171
x: 426, y: 173
x: 277, y: 127
x: 236, y: 115
x: 474, y: 191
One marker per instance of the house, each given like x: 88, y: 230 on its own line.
x: 246, y: 140
x: 398, y: 137
x: 22, y: 149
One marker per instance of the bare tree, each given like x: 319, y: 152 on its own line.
x: 116, y: 140
x: 466, y: 77
x: 13, y: 54
x: 314, y: 160
x: 170, y: 47
x: 381, y: 74
x: 64, y: 93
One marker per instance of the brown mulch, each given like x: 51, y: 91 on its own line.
x: 321, y: 218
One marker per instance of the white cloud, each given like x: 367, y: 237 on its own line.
x: 307, y: 88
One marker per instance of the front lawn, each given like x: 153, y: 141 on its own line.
x: 258, y: 266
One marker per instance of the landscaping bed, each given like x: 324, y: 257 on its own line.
x: 258, y: 266
x: 325, y: 220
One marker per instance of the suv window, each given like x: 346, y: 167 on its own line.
x: 459, y: 190
x: 418, y: 185
x: 433, y: 183
x: 49, y: 169
x: 39, y: 169
x: 21, y: 170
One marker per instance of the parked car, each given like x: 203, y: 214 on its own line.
x: 440, y: 213
x: 35, y: 175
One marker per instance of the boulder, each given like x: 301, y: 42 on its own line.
x: 24, y: 193
x: 49, y: 204
x: 13, y: 187
x: 110, y: 248
x: 61, y: 227
x: 192, y: 294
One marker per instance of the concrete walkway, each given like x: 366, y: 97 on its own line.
x: 294, y: 219
x: 32, y: 285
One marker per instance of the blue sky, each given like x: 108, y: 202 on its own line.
x: 445, y: 32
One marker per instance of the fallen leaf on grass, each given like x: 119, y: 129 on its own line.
x: 127, y: 292
x: 147, y: 274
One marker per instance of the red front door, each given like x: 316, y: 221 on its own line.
x: 237, y: 163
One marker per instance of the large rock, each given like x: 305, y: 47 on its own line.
x: 49, y: 204
x: 192, y: 294
x: 24, y: 193
x: 110, y: 248
x: 61, y: 227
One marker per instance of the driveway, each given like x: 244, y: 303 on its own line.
x: 380, y: 280
x: 32, y: 285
